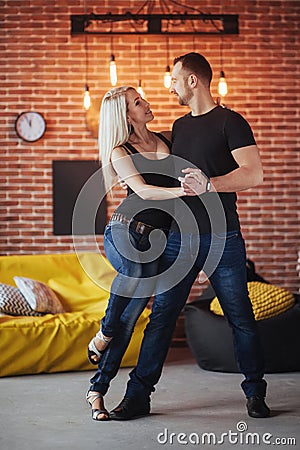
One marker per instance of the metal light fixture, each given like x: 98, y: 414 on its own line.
x: 171, y: 23
x: 174, y: 18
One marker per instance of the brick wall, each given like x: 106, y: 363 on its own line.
x: 43, y: 69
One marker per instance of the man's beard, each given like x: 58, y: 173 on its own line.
x: 185, y: 99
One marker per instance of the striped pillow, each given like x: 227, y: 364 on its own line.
x: 12, y: 302
x: 39, y: 296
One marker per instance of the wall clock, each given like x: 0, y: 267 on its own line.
x: 30, y: 126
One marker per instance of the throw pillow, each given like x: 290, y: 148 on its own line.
x: 40, y: 297
x: 12, y: 302
x: 267, y: 300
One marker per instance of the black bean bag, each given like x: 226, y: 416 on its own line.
x: 210, y: 339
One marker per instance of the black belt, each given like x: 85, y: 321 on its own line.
x: 135, y: 225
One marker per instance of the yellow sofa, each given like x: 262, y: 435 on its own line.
x: 57, y: 343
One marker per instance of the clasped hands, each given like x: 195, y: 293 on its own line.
x: 195, y: 182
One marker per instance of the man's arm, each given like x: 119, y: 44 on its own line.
x: 247, y: 175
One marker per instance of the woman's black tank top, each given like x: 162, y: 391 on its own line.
x: 159, y: 172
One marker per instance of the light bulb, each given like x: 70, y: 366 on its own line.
x: 167, y: 78
x: 140, y: 89
x: 113, y: 70
x: 222, y: 86
x: 86, y: 98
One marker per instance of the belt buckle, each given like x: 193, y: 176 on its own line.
x: 140, y: 228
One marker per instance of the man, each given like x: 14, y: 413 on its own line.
x: 224, y: 159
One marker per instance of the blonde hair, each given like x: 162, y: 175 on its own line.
x: 113, y: 130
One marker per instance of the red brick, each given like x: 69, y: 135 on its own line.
x: 44, y: 69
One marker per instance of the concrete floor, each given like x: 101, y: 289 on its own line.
x: 49, y: 412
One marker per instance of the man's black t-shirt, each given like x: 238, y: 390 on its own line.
x: 206, y: 142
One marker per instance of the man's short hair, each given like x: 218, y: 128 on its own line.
x: 197, y: 64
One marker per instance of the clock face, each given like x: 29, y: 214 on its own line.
x: 30, y: 126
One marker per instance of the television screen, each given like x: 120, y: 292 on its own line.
x: 79, y: 202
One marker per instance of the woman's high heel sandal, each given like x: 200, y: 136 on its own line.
x: 91, y: 397
x: 93, y: 350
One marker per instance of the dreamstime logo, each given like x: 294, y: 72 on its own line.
x: 241, y: 426
x: 239, y: 437
x: 84, y: 216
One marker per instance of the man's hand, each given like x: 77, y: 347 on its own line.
x: 195, y: 182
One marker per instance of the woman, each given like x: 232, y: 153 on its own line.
x: 127, y: 150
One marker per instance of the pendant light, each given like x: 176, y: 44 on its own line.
x: 222, y: 85
x: 167, y: 76
x: 139, y: 88
x: 112, y: 66
x: 86, y: 98
x: 86, y: 91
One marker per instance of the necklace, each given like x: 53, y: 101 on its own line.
x: 147, y: 146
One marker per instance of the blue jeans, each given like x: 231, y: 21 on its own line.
x: 128, y: 297
x: 124, y: 249
x: 224, y: 260
x: 111, y: 360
